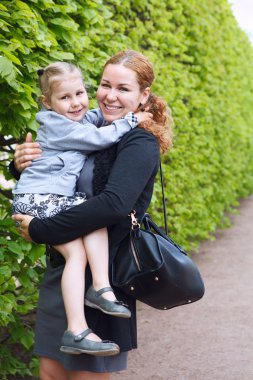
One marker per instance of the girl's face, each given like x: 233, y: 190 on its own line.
x: 119, y: 92
x: 68, y: 98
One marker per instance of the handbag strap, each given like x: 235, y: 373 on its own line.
x: 164, y: 203
x: 136, y: 224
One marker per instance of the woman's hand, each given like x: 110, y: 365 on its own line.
x: 143, y: 116
x: 26, y: 152
x: 22, y: 223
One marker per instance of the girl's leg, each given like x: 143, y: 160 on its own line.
x: 73, y: 286
x: 100, y: 295
x: 78, y: 338
x: 97, y: 251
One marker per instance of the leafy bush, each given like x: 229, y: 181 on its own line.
x: 204, y: 70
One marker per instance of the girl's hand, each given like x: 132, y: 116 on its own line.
x: 22, y: 223
x: 143, y: 116
x: 26, y: 152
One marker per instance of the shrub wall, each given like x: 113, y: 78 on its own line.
x: 203, y: 63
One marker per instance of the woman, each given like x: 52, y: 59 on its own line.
x: 125, y: 175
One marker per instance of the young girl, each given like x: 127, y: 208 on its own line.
x: 67, y: 134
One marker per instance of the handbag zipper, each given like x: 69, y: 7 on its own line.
x: 135, y: 225
x: 135, y: 256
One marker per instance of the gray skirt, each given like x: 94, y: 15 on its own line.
x: 51, y: 323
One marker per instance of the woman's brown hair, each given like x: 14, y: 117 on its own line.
x: 161, y: 124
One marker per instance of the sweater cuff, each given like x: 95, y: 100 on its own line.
x: 132, y: 119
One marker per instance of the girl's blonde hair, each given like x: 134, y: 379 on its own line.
x: 161, y: 124
x: 53, y: 73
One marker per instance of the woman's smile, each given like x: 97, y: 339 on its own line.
x: 112, y: 108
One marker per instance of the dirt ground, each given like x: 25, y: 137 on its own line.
x: 211, y: 339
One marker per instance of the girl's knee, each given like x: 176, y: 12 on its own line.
x: 76, y: 257
x: 73, y: 251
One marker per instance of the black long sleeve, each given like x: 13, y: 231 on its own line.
x: 136, y: 162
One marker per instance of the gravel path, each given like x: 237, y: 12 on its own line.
x: 211, y: 339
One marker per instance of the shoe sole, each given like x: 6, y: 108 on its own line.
x: 78, y: 351
x: 115, y: 314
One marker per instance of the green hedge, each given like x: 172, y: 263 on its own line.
x: 203, y: 63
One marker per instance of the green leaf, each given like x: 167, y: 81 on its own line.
x: 58, y: 55
x: 14, y: 247
x: 66, y: 23
x: 6, y: 68
x: 11, y: 57
x: 27, y: 339
x: 5, y: 272
x: 3, y: 8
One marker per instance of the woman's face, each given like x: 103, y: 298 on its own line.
x: 119, y: 92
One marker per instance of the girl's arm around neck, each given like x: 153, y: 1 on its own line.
x: 60, y: 133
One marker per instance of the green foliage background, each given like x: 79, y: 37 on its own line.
x: 203, y: 63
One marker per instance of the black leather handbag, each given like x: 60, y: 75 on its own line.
x: 152, y: 268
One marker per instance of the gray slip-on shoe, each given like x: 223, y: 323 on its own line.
x: 77, y: 344
x: 95, y: 299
